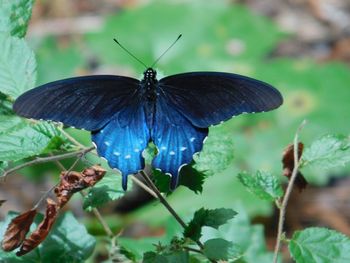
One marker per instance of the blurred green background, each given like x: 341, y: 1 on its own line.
x: 285, y: 44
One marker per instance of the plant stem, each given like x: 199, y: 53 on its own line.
x: 70, y: 138
x: 289, y: 189
x: 48, y: 159
x: 166, y: 204
x: 143, y: 186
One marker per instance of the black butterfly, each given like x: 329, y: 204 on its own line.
x: 125, y: 114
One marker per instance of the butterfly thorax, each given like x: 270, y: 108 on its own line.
x: 149, y: 84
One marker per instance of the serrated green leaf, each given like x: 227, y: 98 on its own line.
x: 19, y: 139
x: 189, y: 177
x: 207, y: 217
x: 328, y: 152
x: 17, y: 66
x: 68, y: 242
x: 320, y: 245
x: 250, y: 238
x: 221, y: 249
x: 216, y: 155
x: 15, y: 16
x: 106, y: 190
x: 262, y: 184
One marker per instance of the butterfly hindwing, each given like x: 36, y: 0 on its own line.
x: 208, y: 98
x: 123, y: 139
x: 176, y: 140
x: 83, y: 102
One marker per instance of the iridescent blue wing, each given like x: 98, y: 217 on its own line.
x: 83, y: 102
x: 176, y: 139
x: 123, y: 139
x: 208, y: 98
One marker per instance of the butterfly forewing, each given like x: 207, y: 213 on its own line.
x: 83, y: 102
x: 208, y: 98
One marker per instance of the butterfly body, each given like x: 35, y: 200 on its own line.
x: 125, y: 114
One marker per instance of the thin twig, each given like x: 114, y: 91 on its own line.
x: 289, y: 189
x: 47, y: 159
x: 166, y: 204
x: 143, y: 186
x: 70, y: 138
x: 193, y: 250
x: 99, y: 217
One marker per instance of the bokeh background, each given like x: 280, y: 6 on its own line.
x: 302, y: 47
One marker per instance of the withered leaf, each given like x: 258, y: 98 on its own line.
x: 17, y: 230
x: 288, y: 165
x: 42, y: 230
x: 72, y: 182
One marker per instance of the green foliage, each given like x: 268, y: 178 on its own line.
x: 106, y: 190
x: 262, y: 184
x: 174, y: 257
x: 216, y: 155
x: 327, y: 152
x: 249, y: 238
x: 207, y: 217
x: 67, y: 242
x: 20, y: 139
x: 189, y: 177
x: 17, y: 66
x: 15, y: 16
x: 221, y: 249
x: 319, y: 245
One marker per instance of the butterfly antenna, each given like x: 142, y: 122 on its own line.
x: 155, y: 62
x: 127, y: 51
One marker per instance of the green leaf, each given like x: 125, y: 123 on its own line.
x: 17, y: 66
x: 15, y: 16
x: 221, y: 249
x: 68, y: 242
x: 189, y: 177
x: 171, y: 257
x: 320, y: 245
x: 108, y: 189
x: 19, y: 139
x: 251, y: 238
x: 207, y: 217
x: 328, y: 152
x: 262, y: 184
x: 216, y: 155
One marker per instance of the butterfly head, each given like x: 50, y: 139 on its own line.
x: 150, y: 74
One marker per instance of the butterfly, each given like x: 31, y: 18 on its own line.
x: 124, y: 114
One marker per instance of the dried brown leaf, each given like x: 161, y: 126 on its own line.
x: 42, y: 230
x: 288, y: 165
x: 17, y: 230
x: 72, y: 182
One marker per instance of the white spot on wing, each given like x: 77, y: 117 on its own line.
x: 127, y: 156
x: 136, y: 150
x: 172, y: 153
x: 163, y: 148
x: 107, y: 143
x: 192, y: 139
x: 116, y: 153
x: 183, y: 149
